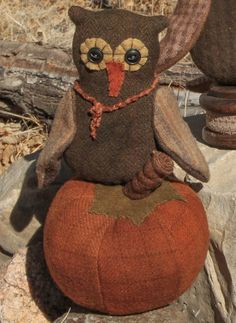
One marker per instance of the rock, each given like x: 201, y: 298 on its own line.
x: 212, y: 299
x: 27, y: 294
x: 4, y: 259
x: 173, y: 314
x: 194, y: 306
x: 198, y: 302
x: 22, y: 206
x: 219, y: 199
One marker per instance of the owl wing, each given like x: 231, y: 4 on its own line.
x: 175, y: 137
x: 61, y: 135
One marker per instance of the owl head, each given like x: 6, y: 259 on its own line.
x: 118, y: 53
x: 113, y: 49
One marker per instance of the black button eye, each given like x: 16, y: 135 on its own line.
x: 95, y: 55
x: 132, y: 56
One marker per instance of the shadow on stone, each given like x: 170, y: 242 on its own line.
x: 50, y: 300
x: 196, y: 124
x: 33, y: 202
x: 58, y: 308
x: 196, y: 187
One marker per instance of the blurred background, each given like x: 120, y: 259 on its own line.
x: 47, y: 21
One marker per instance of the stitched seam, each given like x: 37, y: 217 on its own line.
x: 98, y: 273
x: 173, y: 253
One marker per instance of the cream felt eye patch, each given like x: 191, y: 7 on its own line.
x: 96, y: 52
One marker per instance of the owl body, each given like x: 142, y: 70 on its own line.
x: 123, y: 144
x: 112, y: 121
x: 125, y: 138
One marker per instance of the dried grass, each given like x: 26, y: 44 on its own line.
x: 19, y: 136
x: 47, y: 21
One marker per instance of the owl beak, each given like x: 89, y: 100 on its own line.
x: 116, y: 76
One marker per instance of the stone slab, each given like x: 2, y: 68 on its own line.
x: 23, y: 206
x: 219, y: 199
x: 212, y: 299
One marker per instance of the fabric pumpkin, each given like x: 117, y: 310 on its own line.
x: 115, y: 266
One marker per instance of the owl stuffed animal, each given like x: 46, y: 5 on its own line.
x: 113, y: 252
x: 116, y: 119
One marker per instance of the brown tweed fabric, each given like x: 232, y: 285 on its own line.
x: 114, y: 26
x: 125, y: 139
x: 174, y: 135
x: 215, y: 51
x: 61, y: 135
x: 184, y: 29
x: 116, y: 267
x: 124, y: 143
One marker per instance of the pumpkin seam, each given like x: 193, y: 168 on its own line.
x: 173, y: 253
x: 98, y: 272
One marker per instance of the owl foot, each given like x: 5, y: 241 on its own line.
x: 157, y: 168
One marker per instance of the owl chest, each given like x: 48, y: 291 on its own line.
x: 124, y: 142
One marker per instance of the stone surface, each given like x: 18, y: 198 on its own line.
x: 4, y: 259
x: 198, y: 302
x: 22, y: 206
x: 171, y: 314
x: 219, y: 199
x: 212, y: 299
x: 27, y: 294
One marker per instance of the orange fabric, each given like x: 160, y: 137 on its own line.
x: 98, y: 108
x: 116, y: 267
x: 116, y: 76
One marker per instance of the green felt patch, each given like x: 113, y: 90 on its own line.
x: 110, y: 201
